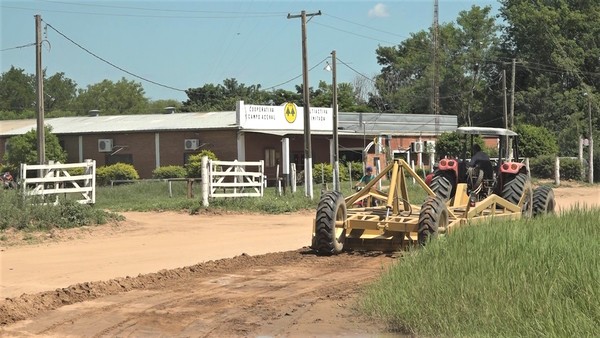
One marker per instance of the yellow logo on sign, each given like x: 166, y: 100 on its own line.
x: 290, y: 112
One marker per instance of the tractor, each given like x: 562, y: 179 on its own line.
x: 507, y: 178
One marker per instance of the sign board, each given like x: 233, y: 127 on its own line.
x: 284, y: 117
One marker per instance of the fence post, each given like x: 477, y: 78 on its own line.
x: 557, y: 171
x: 205, y: 180
x: 293, y: 177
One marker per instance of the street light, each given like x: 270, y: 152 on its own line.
x: 336, y: 167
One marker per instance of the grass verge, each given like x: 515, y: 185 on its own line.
x: 527, y: 278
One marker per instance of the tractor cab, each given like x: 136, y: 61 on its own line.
x: 483, y: 175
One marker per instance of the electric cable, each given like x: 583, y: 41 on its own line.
x: 110, y: 63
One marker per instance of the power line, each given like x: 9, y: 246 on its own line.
x: 355, y: 34
x: 234, y: 16
x: 17, y: 47
x: 294, y: 78
x: 161, y: 9
x: 365, y: 26
x: 112, y: 64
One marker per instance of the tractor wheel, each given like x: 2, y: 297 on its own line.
x: 329, y: 230
x: 515, y: 187
x: 543, y: 201
x: 442, y: 184
x: 432, y: 216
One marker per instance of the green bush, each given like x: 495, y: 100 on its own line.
x: 570, y: 169
x: 324, y: 171
x: 170, y: 171
x: 118, y: 171
x: 536, y: 141
x: 194, y: 166
x: 542, y: 166
x: 357, y: 170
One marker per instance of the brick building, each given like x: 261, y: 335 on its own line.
x: 250, y: 133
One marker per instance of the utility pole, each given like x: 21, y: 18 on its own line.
x: 41, y: 145
x: 512, y: 95
x: 308, y: 184
x: 336, y: 167
x: 505, y: 111
x: 435, y: 93
x: 591, y: 146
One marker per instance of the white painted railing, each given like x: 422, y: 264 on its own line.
x: 56, y: 180
x: 231, y: 179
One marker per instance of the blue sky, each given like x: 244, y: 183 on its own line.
x: 187, y: 44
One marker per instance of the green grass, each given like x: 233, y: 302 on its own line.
x: 529, y: 278
x: 153, y: 196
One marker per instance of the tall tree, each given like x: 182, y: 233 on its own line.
x: 404, y: 85
x: 17, y: 90
x: 112, y: 98
x: 60, y: 92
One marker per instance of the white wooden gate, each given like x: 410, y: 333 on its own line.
x: 231, y: 179
x: 56, y: 180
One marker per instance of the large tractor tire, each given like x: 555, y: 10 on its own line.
x: 329, y: 231
x: 543, y: 201
x: 433, y: 215
x: 443, y: 185
x: 515, y: 187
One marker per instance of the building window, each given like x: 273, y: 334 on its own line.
x: 271, y: 157
x: 119, y: 158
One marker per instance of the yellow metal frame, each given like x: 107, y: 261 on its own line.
x: 394, y: 221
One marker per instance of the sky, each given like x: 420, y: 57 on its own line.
x: 179, y: 45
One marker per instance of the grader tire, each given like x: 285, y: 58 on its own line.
x: 432, y: 216
x: 543, y: 201
x: 329, y: 240
x: 442, y: 184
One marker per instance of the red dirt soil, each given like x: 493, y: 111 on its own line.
x: 141, y: 277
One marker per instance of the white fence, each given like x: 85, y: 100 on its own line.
x: 231, y: 179
x: 48, y: 181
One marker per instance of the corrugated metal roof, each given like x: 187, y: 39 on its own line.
x: 349, y: 123
x: 393, y: 124
x: 9, y: 125
x: 131, y: 123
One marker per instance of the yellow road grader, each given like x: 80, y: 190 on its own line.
x: 459, y: 193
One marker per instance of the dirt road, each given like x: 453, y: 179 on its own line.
x: 273, y: 286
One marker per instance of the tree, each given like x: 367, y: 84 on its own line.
x: 23, y: 149
x: 536, y: 141
x: 112, y: 98
x: 17, y: 90
x: 405, y: 82
x: 60, y: 92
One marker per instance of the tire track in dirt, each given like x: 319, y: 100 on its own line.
x: 266, y: 294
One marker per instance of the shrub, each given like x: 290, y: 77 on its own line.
x: 570, y: 169
x: 118, y: 171
x: 170, y: 171
x: 542, y: 166
x: 357, y: 170
x: 536, y: 141
x: 324, y: 171
x: 194, y: 166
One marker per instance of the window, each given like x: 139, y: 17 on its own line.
x: 271, y: 157
x: 119, y: 158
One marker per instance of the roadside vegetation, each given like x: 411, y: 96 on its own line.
x: 528, y: 278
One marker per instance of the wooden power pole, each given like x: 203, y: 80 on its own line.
x: 308, y: 186
x: 39, y: 72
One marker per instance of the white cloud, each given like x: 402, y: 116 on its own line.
x: 379, y: 11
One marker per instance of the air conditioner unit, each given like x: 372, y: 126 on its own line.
x: 429, y: 147
x: 105, y: 145
x: 416, y: 147
x: 191, y: 144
